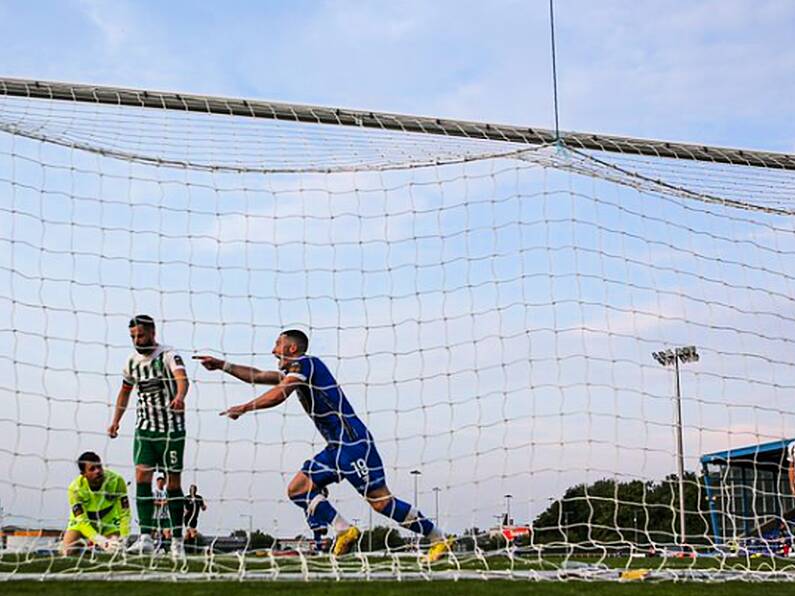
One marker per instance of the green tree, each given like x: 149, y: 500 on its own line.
x: 258, y: 540
x: 380, y: 538
x: 636, y: 512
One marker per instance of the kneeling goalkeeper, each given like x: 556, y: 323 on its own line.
x: 99, y: 508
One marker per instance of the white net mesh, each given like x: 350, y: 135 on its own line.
x: 490, y: 309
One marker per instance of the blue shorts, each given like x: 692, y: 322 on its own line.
x: 359, y: 464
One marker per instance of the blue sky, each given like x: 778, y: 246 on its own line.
x: 715, y: 72
x: 709, y: 72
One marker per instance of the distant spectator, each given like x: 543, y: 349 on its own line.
x: 194, y: 504
x: 162, y: 519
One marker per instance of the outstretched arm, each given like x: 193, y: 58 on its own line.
x: 247, y: 374
x: 269, y: 399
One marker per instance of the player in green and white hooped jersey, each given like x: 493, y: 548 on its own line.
x: 159, y: 375
x: 98, y: 507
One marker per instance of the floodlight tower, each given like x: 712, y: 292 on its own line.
x: 667, y: 358
x: 416, y: 474
x: 250, y: 528
x: 508, y: 498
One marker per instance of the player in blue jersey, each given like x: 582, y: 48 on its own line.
x: 350, y: 453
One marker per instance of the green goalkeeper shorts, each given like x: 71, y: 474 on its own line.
x: 162, y: 451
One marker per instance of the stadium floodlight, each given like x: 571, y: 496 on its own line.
x: 250, y: 527
x: 508, y: 498
x: 370, y: 528
x: 667, y: 358
x: 416, y: 474
x: 436, y: 490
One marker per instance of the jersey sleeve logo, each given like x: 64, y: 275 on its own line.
x: 294, y: 367
x: 178, y: 360
x: 77, y: 509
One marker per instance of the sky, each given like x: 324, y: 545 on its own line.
x: 702, y: 72
x: 714, y: 72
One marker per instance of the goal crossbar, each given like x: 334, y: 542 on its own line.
x: 99, y: 94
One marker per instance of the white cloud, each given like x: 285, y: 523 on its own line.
x: 112, y: 20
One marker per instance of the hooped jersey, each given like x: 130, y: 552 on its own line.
x: 324, y: 401
x: 153, y: 375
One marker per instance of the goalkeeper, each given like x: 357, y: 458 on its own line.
x: 99, y: 508
x: 350, y: 453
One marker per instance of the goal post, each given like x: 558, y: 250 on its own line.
x: 496, y: 302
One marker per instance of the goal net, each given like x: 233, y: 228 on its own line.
x: 489, y: 297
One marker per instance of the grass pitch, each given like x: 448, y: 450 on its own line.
x: 434, y: 588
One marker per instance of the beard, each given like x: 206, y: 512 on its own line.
x: 144, y: 350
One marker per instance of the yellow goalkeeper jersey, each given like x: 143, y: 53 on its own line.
x: 103, y: 511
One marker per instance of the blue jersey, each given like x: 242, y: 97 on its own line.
x: 325, y: 403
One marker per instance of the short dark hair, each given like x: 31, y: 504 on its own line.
x: 87, y: 457
x: 299, y: 338
x: 144, y: 321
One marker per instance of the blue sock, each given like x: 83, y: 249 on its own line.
x: 408, y: 517
x: 320, y: 537
x: 314, y: 523
x: 316, y: 506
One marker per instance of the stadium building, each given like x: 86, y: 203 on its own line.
x: 748, y: 493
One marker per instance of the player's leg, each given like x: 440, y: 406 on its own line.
x: 72, y: 544
x: 173, y: 452
x: 306, y: 490
x: 305, y: 494
x: 385, y: 503
x: 362, y: 467
x: 144, y: 500
x: 318, y: 528
x: 171, y: 457
x: 145, y: 459
x: 369, y: 479
x: 190, y: 522
x: 176, y: 502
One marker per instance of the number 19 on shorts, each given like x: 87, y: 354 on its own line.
x: 360, y: 467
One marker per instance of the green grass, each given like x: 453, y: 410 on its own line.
x: 462, y: 588
x: 230, y: 564
x: 218, y: 577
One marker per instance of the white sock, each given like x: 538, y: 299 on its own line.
x: 340, y: 524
